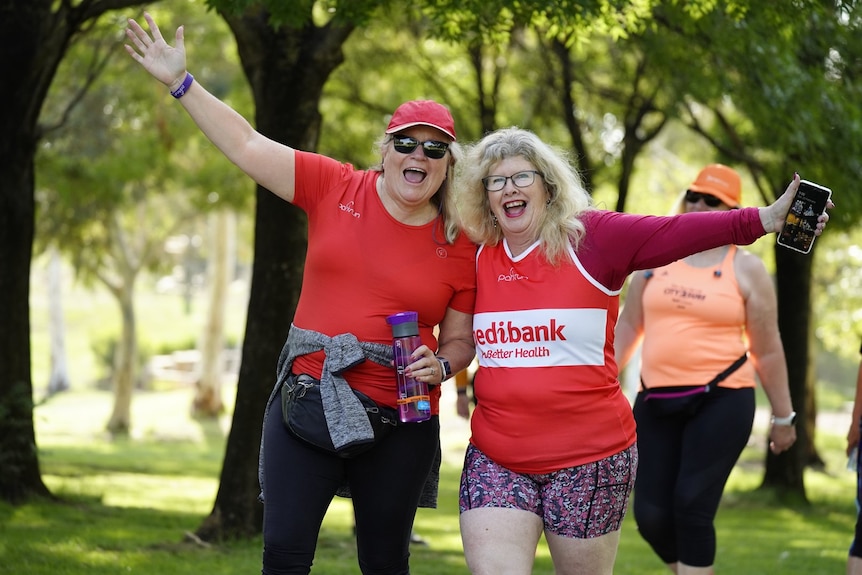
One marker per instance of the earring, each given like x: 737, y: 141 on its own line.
x: 493, y: 217
x: 548, y: 202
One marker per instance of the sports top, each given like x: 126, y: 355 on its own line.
x: 694, y: 326
x: 363, y: 265
x: 547, y: 391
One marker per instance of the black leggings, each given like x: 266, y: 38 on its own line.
x: 385, y: 484
x: 684, y: 464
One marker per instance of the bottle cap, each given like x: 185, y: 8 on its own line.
x: 404, y: 324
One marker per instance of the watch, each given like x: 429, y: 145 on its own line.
x: 789, y: 420
x: 445, y: 367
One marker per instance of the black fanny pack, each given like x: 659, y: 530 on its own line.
x: 684, y: 399
x: 302, y: 410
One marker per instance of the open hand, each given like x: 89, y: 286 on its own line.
x: 164, y: 62
x: 772, y: 216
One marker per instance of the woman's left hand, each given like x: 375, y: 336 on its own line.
x: 425, y: 366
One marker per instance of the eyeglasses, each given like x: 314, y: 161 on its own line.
x: 519, y: 180
x: 695, y: 197
x: 433, y: 149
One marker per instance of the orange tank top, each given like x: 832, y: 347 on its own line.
x: 694, y: 325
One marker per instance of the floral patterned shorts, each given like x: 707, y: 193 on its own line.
x: 578, y: 502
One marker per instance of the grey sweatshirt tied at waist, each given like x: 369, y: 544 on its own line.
x: 345, y: 416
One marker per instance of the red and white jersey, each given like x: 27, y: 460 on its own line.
x: 547, y: 392
x: 548, y: 396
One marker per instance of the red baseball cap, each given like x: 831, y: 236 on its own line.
x: 720, y: 181
x: 422, y: 113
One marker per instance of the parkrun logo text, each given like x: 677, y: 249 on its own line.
x: 349, y: 209
x: 502, y: 333
x: 511, y: 276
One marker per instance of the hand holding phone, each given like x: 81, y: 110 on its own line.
x: 801, y: 220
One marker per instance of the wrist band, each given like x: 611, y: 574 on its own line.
x: 462, y: 391
x: 184, y: 87
x: 789, y: 420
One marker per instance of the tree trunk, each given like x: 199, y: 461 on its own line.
x: 125, y: 363
x: 208, y: 395
x: 33, y: 39
x: 569, y: 109
x: 287, y: 70
x: 19, y: 464
x: 784, y: 472
x: 23, y: 29
x: 59, y: 379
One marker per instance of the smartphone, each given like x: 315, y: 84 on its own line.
x: 801, y: 220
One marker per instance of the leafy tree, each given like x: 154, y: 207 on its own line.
x: 776, y: 95
x: 774, y: 126
x: 101, y: 214
x: 35, y: 37
x: 96, y: 176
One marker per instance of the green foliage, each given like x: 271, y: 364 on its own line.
x: 494, y: 20
x: 125, y: 153
x: 297, y: 13
x: 781, y: 91
x: 838, y: 295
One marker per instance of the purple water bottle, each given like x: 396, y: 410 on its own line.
x: 414, y: 403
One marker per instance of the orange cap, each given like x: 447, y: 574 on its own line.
x: 720, y: 181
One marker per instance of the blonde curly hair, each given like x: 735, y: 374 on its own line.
x: 567, y: 197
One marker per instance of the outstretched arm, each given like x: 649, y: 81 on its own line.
x: 267, y: 162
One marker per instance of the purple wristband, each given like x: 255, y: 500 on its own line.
x: 184, y: 87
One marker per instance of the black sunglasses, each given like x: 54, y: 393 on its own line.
x: 695, y: 197
x: 433, y: 149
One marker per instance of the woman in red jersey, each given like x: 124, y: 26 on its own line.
x: 380, y: 241
x: 552, y: 449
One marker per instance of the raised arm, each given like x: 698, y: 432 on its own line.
x: 267, y: 162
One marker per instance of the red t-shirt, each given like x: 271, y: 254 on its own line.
x: 362, y: 265
x: 547, y: 392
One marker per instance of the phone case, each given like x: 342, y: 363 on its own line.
x: 801, y: 220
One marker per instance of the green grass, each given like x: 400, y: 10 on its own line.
x: 127, y: 505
